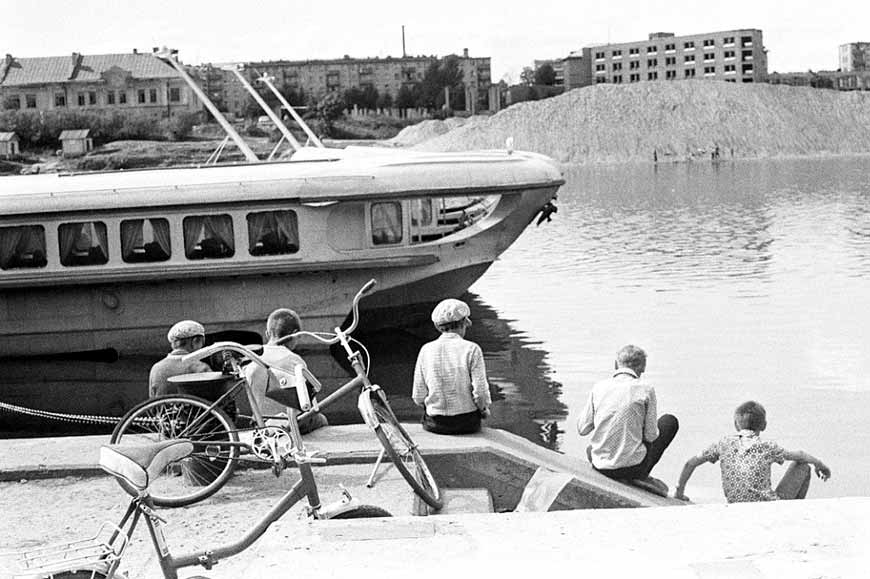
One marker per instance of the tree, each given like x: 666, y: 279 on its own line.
x: 329, y: 109
x: 545, y: 75
x: 439, y: 75
x: 407, y: 97
x: 385, y: 101
x: 527, y: 77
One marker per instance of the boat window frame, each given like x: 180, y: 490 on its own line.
x: 228, y: 241
x: 67, y: 239
x: 294, y: 213
x: 128, y: 257
x: 18, y: 251
x: 402, y: 205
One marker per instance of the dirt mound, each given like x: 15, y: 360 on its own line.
x: 677, y: 121
x: 426, y: 130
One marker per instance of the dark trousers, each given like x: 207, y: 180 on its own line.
x: 459, y: 424
x: 668, y: 426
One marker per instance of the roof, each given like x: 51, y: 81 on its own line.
x: 80, y: 68
x: 74, y: 134
x: 8, y: 137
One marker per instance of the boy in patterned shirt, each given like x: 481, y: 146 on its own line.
x: 745, y: 462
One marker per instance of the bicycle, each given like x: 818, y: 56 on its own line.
x: 206, y: 470
x: 135, y: 467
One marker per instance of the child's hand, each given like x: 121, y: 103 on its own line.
x: 822, y: 471
x: 485, y: 413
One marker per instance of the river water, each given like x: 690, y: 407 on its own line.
x: 742, y: 280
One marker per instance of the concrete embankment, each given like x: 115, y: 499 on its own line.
x: 678, y: 120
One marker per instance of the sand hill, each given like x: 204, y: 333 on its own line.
x: 678, y: 120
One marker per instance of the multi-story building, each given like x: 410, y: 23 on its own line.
x: 103, y: 82
x: 558, y: 65
x: 855, y: 57
x: 317, y: 78
x: 733, y: 55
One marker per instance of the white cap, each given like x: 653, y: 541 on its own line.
x: 450, y: 310
x: 185, y: 329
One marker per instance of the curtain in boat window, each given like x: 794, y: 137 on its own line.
x: 22, y: 247
x: 273, y: 233
x: 421, y: 212
x: 83, y: 243
x: 134, y: 245
x: 208, y: 236
x: 386, y: 223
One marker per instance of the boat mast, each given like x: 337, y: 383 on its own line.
x: 267, y: 80
x: 166, y: 55
x: 268, y: 110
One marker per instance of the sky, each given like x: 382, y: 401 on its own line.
x: 800, y: 35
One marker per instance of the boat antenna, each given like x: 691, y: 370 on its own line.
x: 268, y: 81
x: 167, y: 56
x: 237, y: 70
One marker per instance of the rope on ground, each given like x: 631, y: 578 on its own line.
x: 81, y: 418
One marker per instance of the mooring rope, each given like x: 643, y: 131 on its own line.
x: 81, y: 418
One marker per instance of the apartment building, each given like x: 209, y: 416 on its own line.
x: 137, y: 82
x: 732, y: 55
x: 855, y: 57
x: 558, y: 65
x: 317, y: 78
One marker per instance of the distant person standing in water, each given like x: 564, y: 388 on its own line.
x: 184, y: 337
x: 627, y: 438
x: 450, y: 375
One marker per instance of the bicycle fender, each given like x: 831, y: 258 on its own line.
x: 366, y: 410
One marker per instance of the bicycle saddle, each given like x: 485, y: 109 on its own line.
x: 139, y: 465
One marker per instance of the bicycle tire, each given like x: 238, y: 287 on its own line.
x: 181, y: 416
x: 403, y: 451
x: 363, y: 512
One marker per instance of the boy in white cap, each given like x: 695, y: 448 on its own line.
x: 184, y: 337
x: 450, y: 375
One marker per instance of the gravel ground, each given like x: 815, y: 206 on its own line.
x: 43, y: 512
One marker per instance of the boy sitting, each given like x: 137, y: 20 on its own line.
x: 745, y: 461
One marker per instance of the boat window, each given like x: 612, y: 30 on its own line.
x: 386, y: 223
x: 208, y: 236
x: 22, y: 247
x: 144, y: 240
x: 83, y: 243
x: 273, y: 233
x: 447, y: 215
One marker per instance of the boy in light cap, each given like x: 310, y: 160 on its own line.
x: 184, y: 337
x: 450, y: 375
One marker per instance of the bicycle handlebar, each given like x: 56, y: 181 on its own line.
x: 335, y: 338
x: 219, y: 346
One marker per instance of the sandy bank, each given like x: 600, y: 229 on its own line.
x: 678, y: 120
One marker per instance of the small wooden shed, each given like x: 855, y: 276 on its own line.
x: 9, y: 145
x: 76, y: 142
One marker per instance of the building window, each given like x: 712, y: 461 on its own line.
x: 617, y: 66
x: 122, y: 97
x: 728, y: 41
x: 83, y: 243
x: 708, y: 43
x: 600, y: 80
x: 746, y: 55
x: 273, y: 233
x: 670, y: 47
x: 652, y: 75
x: 669, y: 74
x: 689, y: 58
x: 709, y: 70
x: 152, y: 95
x: 747, y: 69
x: 30, y: 101
x: 175, y: 95
x: 634, y: 78
x: 81, y: 99
x: 599, y: 55
x: 617, y: 79
x: 670, y: 61
x: 59, y: 99
x: 208, y: 236
x: 708, y: 56
x: 141, y: 96
x: 689, y: 73
x: 651, y: 62
x: 651, y: 49
x: 145, y: 240
x: 729, y: 55
x: 616, y: 54
x: 690, y: 45
x: 633, y: 51
x: 634, y: 65
x: 746, y: 41
x: 92, y: 98
x: 22, y: 247
x: 386, y: 223
x: 110, y: 98
x: 600, y: 67
x: 730, y: 68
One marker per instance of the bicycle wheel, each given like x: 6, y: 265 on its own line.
x: 174, y: 416
x: 363, y: 512
x: 402, y: 450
